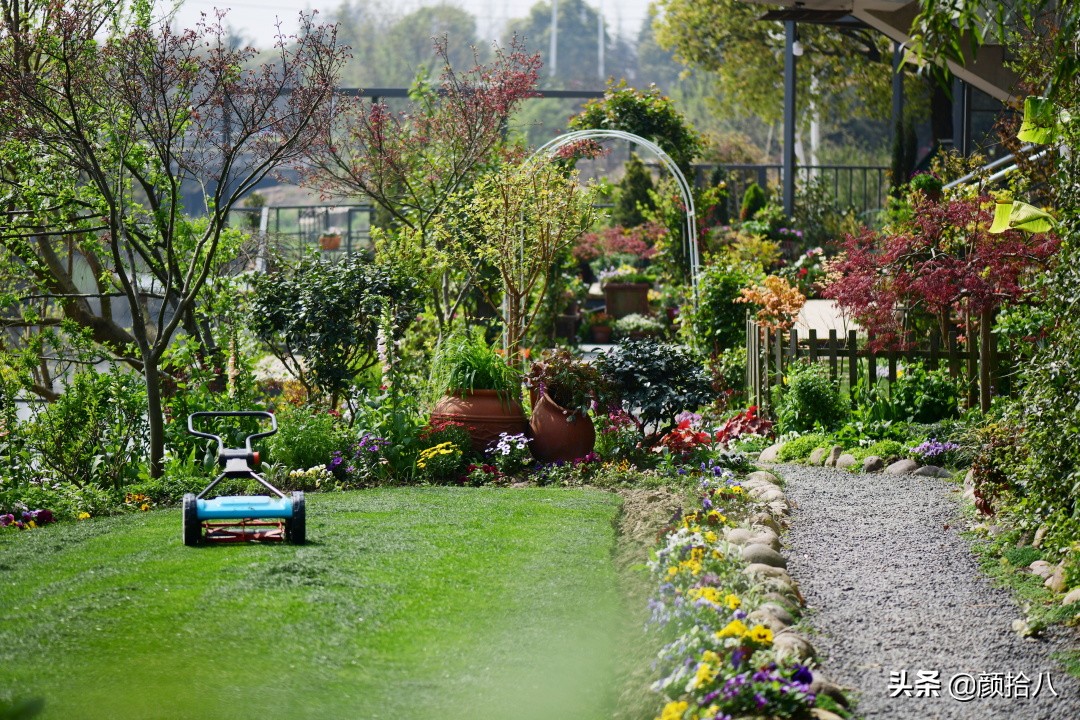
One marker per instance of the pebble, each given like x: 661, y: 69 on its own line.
x: 872, y: 464
x: 768, y: 455
x: 834, y: 455
x: 846, y: 461
x: 902, y: 467
x: 817, y: 457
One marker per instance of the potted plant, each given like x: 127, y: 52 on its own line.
x: 626, y: 291
x: 330, y: 240
x: 564, y: 388
x: 480, y: 390
x: 599, y: 327
x: 637, y: 326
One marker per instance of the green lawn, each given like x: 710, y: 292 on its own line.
x: 406, y: 603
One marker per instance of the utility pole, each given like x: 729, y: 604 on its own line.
x: 600, y: 41
x: 553, y: 51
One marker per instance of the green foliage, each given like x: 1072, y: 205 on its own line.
x: 655, y: 380
x: 888, y: 450
x: 718, y: 323
x: 1022, y: 556
x: 322, y: 318
x: 634, y: 191
x: 800, y: 448
x: 467, y: 362
x: 571, y: 382
x: 306, y: 437
x: 754, y: 200
x: 923, y: 396
x: 647, y: 114
x: 808, y: 399
x: 95, y: 433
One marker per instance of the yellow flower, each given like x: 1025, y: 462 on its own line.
x: 732, y: 601
x: 737, y: 489
x: 674, y: 710
x: 144, y: 507
x: 672, y: 571
x: 83, y: 516
x: 31, y: 524
x: 708, y: 593
x: 705, y: 674
x: 761, y: 635
x: 710, y: 536
x: 710, y: 657
x: 735, y: 628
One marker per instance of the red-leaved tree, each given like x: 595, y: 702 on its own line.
x: 945, y: 268
x: 412, y: 162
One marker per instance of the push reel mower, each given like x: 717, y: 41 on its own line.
x: 237, y: 518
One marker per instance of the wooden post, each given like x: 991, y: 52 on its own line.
x: 766, y: 394
x: 832, y: 354
x: 853, y: 367
x: 871, y: 363
x: 986, y: 360
x: 972, y: 354
x: 793, y: 345
x: 892, y: 369
x: 779, y: 350
x: 935, y: 349
x: 954, y: 356
x: 813, y: 345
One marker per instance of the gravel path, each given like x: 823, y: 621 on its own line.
x: 892, y: 587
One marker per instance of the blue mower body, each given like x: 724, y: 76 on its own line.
x: 238, y: 507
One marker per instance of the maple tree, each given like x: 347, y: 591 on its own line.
x: 943, y: 264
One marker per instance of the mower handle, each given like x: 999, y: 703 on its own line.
x: 232, y: 413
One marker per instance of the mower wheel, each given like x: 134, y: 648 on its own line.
x: 296, y: 526
x: 192, y: 527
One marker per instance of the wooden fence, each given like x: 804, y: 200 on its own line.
x: 975, y: 362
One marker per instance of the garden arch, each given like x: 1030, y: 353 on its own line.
x: 549, y: 149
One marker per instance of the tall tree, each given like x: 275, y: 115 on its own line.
x: 411, y: 162
x: 109, y: 116
x: 577, y: 58
x: 727, y: 38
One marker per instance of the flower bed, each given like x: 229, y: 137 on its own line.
x: 722, y: 660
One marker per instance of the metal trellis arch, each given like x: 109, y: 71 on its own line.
x: 551, y: 147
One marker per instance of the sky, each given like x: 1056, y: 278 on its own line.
x: 255, y: 20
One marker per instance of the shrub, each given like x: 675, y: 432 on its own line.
x: 655, y: 380
x: 305, y: 438
x: 801, y: 447
x: 810, y: 400
x: 95, y: 433
x: 753, y: 200
x: 633, y: 194
x: 924, y: 396
x: 718, y: 323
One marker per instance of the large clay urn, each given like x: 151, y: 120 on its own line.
x: 622, y: 299
x: 484, y: 413
x: 559, y: 434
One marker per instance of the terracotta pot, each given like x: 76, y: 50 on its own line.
x: 622, y: 299
x: 601, y: 334
x: 484, y: 413
x: 329, y: 242
x: 559, y: 434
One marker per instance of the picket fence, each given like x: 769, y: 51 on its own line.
x: 975, y: 361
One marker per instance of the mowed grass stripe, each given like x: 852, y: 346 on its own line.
x: 459, y: 603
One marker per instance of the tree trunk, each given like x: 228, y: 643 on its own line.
x: 155, y: 416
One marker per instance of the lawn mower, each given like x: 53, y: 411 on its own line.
x: 237, y: 518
